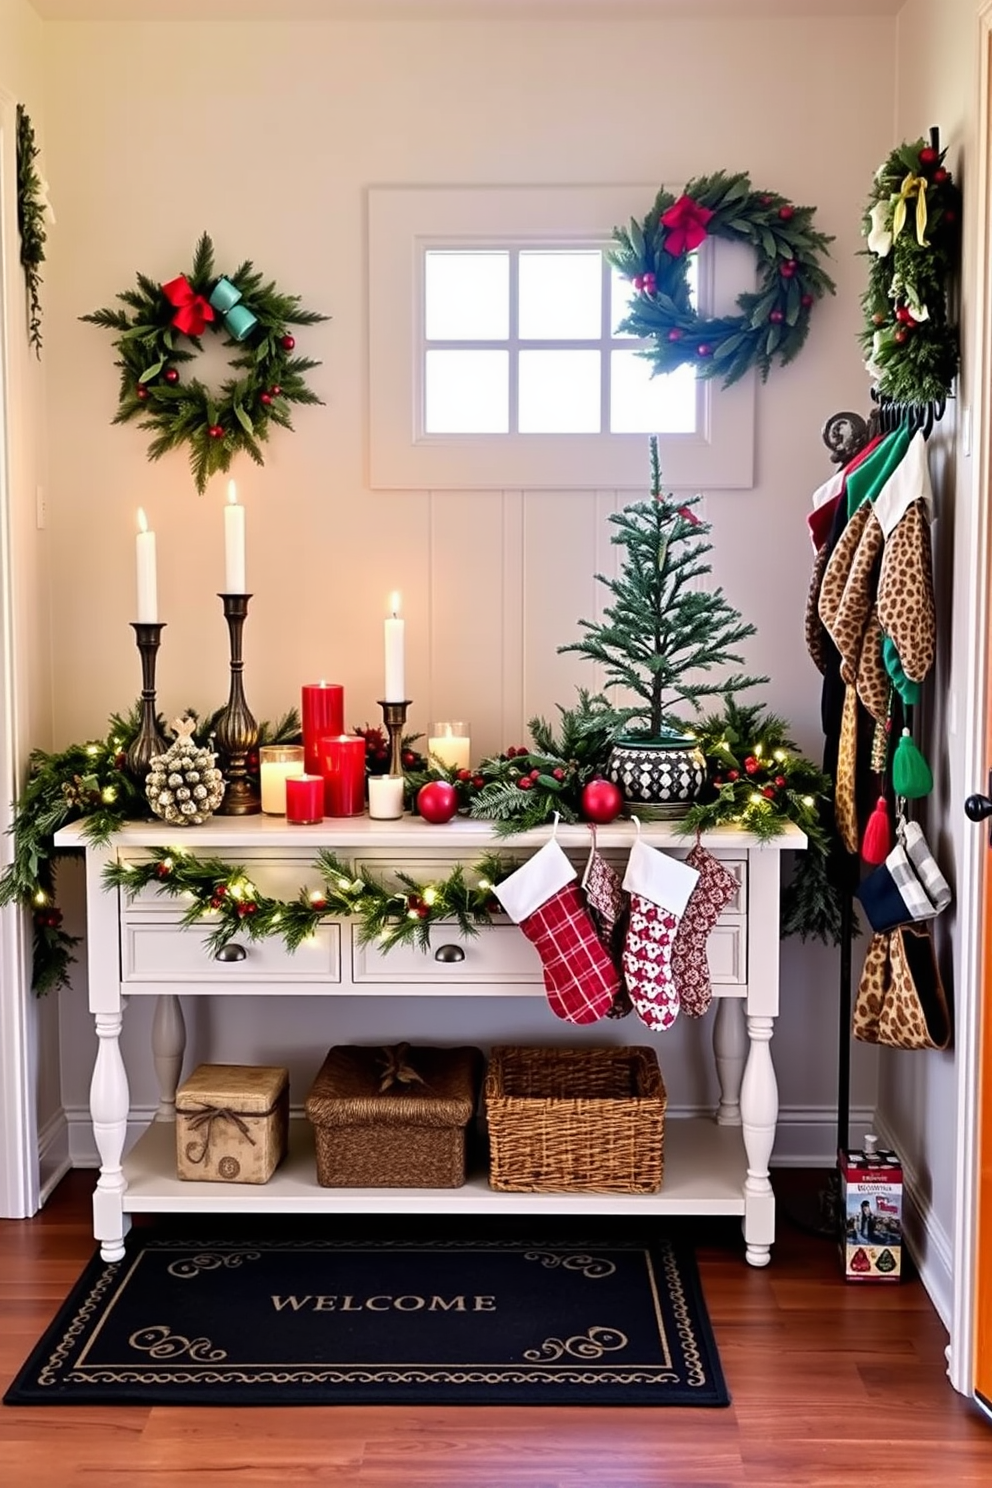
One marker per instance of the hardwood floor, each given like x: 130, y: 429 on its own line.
x: 833, y: 1384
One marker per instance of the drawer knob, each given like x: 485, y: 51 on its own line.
x: 231, y: 952
x: 449, y: 953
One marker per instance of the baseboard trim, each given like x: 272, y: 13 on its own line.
x: 54, y: 1158
x: 925, y: 1238
x: 806, y: 1135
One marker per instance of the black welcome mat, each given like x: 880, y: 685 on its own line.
x: 285, y: 1320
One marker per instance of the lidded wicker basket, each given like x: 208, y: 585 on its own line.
x: 575, y: 1120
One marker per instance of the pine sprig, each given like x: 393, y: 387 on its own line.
x: 661, y: 630
x: 152, y: 351
x: 774, y: 320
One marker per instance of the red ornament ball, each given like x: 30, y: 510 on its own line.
x: 788, y: 270
x: 171, y: 376
x: 675, y: 334
x: 287, y: 342
x: 786, y: 212
x: 216, y: 431
x: 806, y: 301
x: 928, y: 155
x: 275, y: 390
x: 776, y: 316
x: 265, y: 399
x: 940, y: 176
x: 141, y: 392
x: 901, y: 336
x: 601, y: 801
x: 704, y: 350
x: 437, y: 801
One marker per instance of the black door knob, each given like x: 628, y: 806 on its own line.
x: 977, y: 808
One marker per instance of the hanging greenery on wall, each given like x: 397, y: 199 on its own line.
x: 912, y: 223
x: 656, y: 253
x: 33, y: 209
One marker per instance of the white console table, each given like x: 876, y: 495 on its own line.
x: 137, y: 947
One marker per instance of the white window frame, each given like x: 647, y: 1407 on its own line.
x: 403, y: 222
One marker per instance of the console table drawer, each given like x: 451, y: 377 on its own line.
x: 499, y: 954
x: 162, y: 951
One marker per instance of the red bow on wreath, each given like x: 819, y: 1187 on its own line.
x: 686, y: 221
x: 193, y: 311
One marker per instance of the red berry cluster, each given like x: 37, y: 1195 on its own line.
x: 755, y: 766
x: 418, y: 906
x: 48, y: 919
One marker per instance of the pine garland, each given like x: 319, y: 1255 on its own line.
x: 32, y: 208
x: 153, y: 335
x: 912, y: 223
x: 757, y: 779
x: 774, y: 320
x: 87, y: 782
x: 224, y: 894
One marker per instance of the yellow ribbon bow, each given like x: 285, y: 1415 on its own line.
x: 911, y: 184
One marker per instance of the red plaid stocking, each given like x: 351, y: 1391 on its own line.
x: 544, y: 900
x: 715, y: 888
x: 659, y: 889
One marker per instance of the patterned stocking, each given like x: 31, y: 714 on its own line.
x: 714, y: 890
x: 607, y: 905
x: 659, y: 889
x: 544, y: 900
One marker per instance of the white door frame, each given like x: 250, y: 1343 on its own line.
x: 19, y: 1166
x: 974, y: 526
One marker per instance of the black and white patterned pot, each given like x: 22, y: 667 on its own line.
x: 662, y: 776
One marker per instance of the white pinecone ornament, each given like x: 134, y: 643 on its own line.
x: 183, y: 785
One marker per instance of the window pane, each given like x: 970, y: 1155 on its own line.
x: 642, y: 404
x: 560, y: 295
x: 467, y: 392
x: 559, y: 392
x: 622, y: 292
x: 466, y: 296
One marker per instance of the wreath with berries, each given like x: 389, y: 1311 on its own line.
x: 912, y: 223
x: 154, y: 336
x: 774, y: 319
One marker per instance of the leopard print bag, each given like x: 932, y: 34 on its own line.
x: 901, y: 999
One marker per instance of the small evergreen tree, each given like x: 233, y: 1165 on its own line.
x: 661, y: 632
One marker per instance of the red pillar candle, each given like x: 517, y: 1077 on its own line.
x: 322, y: 712
x: 304, y: 799
x: 344, y: 775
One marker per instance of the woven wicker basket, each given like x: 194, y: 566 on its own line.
x: 575, y: 1120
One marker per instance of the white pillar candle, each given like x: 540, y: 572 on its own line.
x: 395, y: 688
x: 234, y: 543
x: 147, y: 574
x: 450, y: 745
x: 385, y: 796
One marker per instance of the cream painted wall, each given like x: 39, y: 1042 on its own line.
x: 268, y: 136
x: 937, y: 84
x: 21, y: 78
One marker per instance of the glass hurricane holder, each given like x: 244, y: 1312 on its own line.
x: 394, y: 717
x: 237, y: 731
x: 148, y: 741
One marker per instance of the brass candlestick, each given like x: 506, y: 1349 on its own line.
x: 149, y: 741
x: 394, y: 717
x: 237, y: 731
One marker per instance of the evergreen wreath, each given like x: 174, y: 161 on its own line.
x: 773, y: 320
x: 224, y: 894
x: 912, y: 223
x: 33, y: 207
x: 155, y: 332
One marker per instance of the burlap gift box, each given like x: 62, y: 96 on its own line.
x: 231, y: 1122
x: 393, y: 1118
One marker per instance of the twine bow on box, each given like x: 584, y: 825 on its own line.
x: 205, y: 1118
x: 395, y: 1069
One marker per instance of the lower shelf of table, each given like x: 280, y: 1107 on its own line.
x: 705, y: 1169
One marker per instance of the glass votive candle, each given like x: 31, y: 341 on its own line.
x: 304, y: 799
x: 386, y: 797
x: 343, y: 762
x: 449, y: 744
x: 276, y: 762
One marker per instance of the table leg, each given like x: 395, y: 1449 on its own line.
x: 168, y: 1049
x: 730, y: 1053
x: 109, y: 1105
x: 759, y: 1116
